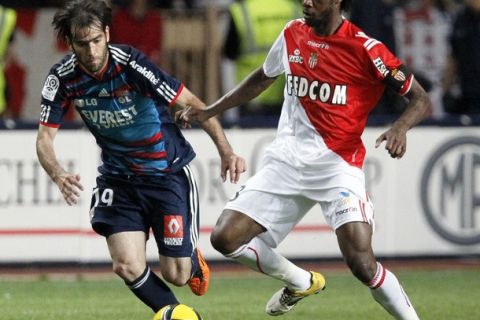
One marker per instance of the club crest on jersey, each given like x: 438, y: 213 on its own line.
x: 398, y: 75
x: 313, y: 60
x: 124, y: 99
x: 173, y: 230
x: 295, y: 57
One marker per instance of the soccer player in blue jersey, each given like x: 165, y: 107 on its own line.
x: 145, y: 181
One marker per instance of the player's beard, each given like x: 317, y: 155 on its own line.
x: 320, y: 23
x: 95, y: 64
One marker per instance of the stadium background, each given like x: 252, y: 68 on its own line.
x: 52, y: 266
x: 427, y: 204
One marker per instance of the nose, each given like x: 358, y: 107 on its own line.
x: 91, y: 49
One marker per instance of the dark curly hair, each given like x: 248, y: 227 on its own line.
x: 345, y: 5
x: 79, y: 14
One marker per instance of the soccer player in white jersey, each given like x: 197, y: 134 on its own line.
x: 335, y: 74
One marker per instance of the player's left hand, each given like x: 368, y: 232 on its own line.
x: 189, y: 115
x: 395, y: 141
x: 234, y: 164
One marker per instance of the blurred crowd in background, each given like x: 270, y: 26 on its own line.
x: 439, y: 40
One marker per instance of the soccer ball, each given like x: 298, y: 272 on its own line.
x: 177, y: 312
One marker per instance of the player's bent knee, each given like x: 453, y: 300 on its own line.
x: 233, y: 230
x: 128, y: 271
x: 178, y: 279
x: 222, y: 242
x: 363, y: 269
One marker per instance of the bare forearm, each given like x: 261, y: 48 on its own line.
x: 417, y: 109
x: 248, y: 89
x: 68, y: 183
x: 213, y: 128
x: 48, y: 160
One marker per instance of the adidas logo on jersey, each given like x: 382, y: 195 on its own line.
x: 103, y: 93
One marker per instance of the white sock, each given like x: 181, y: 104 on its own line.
x: 388, y: 292
x: 259, y: 257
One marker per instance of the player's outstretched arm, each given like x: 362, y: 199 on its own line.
x: 252, y: 86
x: 230, y: 162
x: 417, y: 109
x: 68, y: 183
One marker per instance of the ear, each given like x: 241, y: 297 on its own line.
x: 107, y: 33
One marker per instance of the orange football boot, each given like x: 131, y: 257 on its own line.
x: 200, y: 281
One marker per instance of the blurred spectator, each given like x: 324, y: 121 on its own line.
x: 464, y: 61
x: 8, y: 18
x: 254, y: 25
x: 375, y: 17
x: 176, y: 4
x: 140, y: 25
x: 15, y: 75
x: 421, y: 34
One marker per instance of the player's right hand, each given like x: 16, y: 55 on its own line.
x: 70, y: 187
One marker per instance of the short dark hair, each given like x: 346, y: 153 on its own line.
x: 345, y: 5
x: 81, y: 14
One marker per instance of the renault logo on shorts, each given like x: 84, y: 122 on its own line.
x: 173, y: 230
x: 173, y: 226
x: 450, y: 190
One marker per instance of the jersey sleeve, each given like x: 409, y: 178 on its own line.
x: 273, y: 65
x: 54, y: 103
x: 388, y: 68
x: 151, y: 80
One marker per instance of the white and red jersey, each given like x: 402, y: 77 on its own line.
x: 332, y: 84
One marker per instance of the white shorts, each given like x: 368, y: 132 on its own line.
x: 272, y: 198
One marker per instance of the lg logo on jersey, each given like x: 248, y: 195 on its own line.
x: 81, y: 103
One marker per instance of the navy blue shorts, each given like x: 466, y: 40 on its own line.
x: 168, y: 205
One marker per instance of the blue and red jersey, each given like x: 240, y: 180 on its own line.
x: 126, y: 109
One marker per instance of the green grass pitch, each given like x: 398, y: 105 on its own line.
x: 437, y: 294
